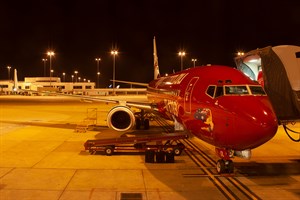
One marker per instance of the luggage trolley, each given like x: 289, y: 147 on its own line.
x: 164, y: 149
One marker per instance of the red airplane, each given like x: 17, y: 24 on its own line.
x: 217, y: 104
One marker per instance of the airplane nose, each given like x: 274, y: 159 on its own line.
x: 256, y: 124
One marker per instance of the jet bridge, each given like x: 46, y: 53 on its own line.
x: 278, y: 70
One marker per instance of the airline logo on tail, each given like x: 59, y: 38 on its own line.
x: 156, y: 68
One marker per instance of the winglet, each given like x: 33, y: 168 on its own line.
x: 156, y: 68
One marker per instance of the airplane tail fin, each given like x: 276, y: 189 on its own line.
x: 156, y: 68
x: 16, y: 87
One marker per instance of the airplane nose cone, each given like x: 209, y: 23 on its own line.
x: 256, y: 124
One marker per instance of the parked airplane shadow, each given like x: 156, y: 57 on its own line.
x: 43, y: 124
x: 268, y: 169
x: 52, y: 125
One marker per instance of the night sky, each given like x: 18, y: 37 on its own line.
x: 78, y: 31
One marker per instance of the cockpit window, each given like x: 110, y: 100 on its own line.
x: 214, y: 91
x: 236, y: 90
x: 219, y: 91
x: 257, y: 90
x: 211, y: 91
x: 231, y: 90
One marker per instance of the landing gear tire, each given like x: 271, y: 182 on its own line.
x: 146, y: 124
x: 138, y: 124
x: 142, y: 123
x: 230, y: 166
x: 221, y: 166
x: 225, y: 166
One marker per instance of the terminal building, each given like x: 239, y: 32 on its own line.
x: 52, y: 85
x: 46, y: 84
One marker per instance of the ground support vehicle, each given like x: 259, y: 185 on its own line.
x: 157, y: 147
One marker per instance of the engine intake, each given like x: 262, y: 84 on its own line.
x: 120, y: 118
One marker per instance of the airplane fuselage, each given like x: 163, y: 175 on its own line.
x: 217, y: 104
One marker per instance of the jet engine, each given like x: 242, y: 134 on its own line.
x: 120, y: 118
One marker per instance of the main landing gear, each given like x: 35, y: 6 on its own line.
x: 225, y: 164
x: 142, y: 123
x: 142, y: 120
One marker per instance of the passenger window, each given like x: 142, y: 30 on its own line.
x: 211, y: 91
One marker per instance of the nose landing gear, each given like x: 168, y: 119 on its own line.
x: 225, y: 164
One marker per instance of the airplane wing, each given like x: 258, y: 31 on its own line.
x: 132, y: 83
x: 121, y: 117
x: 135, y: 104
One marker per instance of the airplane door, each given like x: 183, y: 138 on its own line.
x: 188, y: 95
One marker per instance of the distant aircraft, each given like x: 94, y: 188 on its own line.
x: 217, y: 104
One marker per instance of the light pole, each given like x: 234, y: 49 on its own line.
x: 194, y: 60
x: 76, y: 72
x: 51, y: 74
x: 114, y: 53
x: 50, y: 54
x: 181, y: 54
x: 98, y: 72
x: 72, y: 78
x: 44, y: 60
x: 8, y: 71
x: 64, y: 76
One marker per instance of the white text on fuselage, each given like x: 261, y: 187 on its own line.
x: 171, y: 80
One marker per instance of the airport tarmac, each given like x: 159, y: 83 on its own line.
x: 42, y: 157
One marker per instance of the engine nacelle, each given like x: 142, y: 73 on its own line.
x: 120, y: 118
